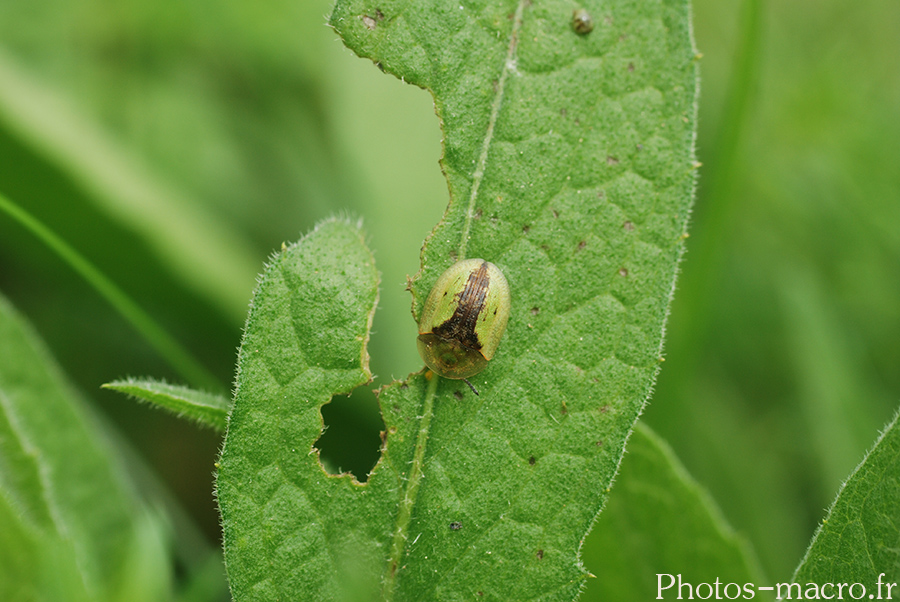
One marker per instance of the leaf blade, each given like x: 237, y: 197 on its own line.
x: 569, y: 161
x: 59, y: 479
x: 660, y: 520
x: 582, y: 201
x: 205, y: 408
x: 304, y: 342
x: 856, y: 541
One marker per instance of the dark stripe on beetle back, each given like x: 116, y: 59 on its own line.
x: 461, y: 325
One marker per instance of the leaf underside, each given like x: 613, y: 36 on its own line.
x: 569, y: 159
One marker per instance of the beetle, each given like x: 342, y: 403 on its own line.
x: 464, y: 318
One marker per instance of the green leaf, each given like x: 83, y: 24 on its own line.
x: 35, y: 565
x: 65, y: 500
x: 659, y: 521
x: 288, y: 526
x: 207, y: 409
x: 857, y: 541
x: 50, y: 453
x: 570, y: 164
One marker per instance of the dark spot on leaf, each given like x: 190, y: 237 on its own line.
x: 478, y: 213
x: 640, y: 147
x: 631, y: 66
x: 392, y: 430
x: 563, y: 112
x: 600, y: 443
x: 532, y: 460
x: 623, y: 272
x: 455, y: 526
x: 610, y: 160
x: 526, y: 228
x: 540, y: 554
x: 581, y: 245
x: 453, y: 255
x: 554, y: 212
x: 604, y: 409
x: 458, y: 394
x: 495, y: 85
x: 535, y: 311
x: 628, y: 226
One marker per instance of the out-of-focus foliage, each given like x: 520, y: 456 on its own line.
x: 782, y: 359
x: 148, y: 133
x: 253, y: 122
x: 660, y: 522
x: 71, y: 526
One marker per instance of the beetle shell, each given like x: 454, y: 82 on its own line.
x: 464, y: 319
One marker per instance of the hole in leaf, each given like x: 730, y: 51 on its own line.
x: 351, y: 441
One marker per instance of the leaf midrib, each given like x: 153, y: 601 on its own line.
x: 478, y: 175
x: 410, y: 493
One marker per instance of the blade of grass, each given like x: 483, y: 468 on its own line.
x: 164, y: 344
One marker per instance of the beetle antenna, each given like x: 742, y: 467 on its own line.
x: 471, y: 386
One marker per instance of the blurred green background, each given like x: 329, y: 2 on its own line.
x: 177, y: 143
